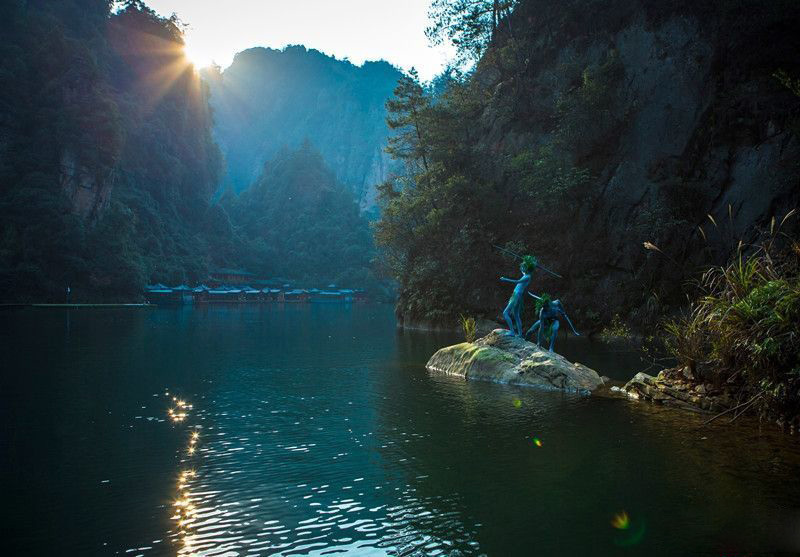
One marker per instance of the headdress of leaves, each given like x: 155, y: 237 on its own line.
x: 544, y: 300
x: 529, y: 262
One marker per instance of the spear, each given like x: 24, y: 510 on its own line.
x: 518, y: 256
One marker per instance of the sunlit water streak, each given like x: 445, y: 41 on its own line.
x: 224, y: 509
x: 317, y: 431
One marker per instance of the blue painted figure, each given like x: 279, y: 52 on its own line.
x: 513, y: 311
x: 550, y: 312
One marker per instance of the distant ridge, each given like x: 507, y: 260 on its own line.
x: 269, y: 98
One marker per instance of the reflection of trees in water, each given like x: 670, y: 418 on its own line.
x: 470, y: 452
x: 428, y: 510
x: 740, y: 479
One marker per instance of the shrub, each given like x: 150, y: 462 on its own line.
x: 745, y: 325
x: 616, y: 330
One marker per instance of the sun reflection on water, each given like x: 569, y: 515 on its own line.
x: 180, y: 412
x: 185, y: 504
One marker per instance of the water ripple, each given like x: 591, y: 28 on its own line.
x: 236, y: 494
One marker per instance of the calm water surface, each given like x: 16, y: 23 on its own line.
x: 315, y: 430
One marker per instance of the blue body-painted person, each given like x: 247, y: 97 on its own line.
x: 550, y: 312
x: 513, y: 312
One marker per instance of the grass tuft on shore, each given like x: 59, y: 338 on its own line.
x: 743, y: 328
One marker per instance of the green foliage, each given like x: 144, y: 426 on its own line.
x: 547, y: 178
x: 616, y: 330
x: 458, y: 196
x: 118, y: 265
x: 106, y: 157
x: 298, y: 221
x: 408, y: 113
x: 39, y: 255
x: 745, y: 328
x: 469, y: 25
x: 470, y: 328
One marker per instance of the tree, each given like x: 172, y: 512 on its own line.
x: 407, y: 113
x: 297, y: 221
x: 470, y: 25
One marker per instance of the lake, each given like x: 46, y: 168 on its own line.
x: 316, y: 430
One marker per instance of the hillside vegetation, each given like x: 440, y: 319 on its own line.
x: 298, y: 221
x: 585, y: 130
x: 106, y: 157
x: 108, y: 168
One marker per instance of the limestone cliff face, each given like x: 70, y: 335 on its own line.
x: 674, y: 140
x: 380, y: 168
x: 269, y: 99
x: 690, y: 122
x: 88, y: 192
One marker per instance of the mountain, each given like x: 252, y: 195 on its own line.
x: 106, y: 159
x: 628, y: 144
x: 108, y: 165
x: 297, y: 220
x: 267, y: 99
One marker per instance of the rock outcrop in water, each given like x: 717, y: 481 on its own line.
x: 677, y: 388
x: 503, y: 358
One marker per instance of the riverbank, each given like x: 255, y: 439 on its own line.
x: 505, y: 359
x: 677, y: 388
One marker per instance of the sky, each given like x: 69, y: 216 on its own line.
x: 359, y: 30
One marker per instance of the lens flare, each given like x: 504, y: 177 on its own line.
x: 632, y: 536
x: 517, y: 403
x: 621, y: 521
x: 537, y: 441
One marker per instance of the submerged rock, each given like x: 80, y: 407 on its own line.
x: 502, y: 358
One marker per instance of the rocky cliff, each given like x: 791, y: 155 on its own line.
x: 702, y: 131
x: 595, y: 128
x: 268, y: 99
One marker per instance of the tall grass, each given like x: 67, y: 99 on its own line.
x: 743, y: 329
x: 470, y: 328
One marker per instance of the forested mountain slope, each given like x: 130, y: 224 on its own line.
x: 108, y: 166
x: 270, y: 98
x: 298, y: 221
x: 588, y: 129
x: 106, y: 157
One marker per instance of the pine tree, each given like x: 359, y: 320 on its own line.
x: 470, y: 25
x: 408, y: 111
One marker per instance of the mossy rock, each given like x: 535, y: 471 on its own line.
x: 502, y: 358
